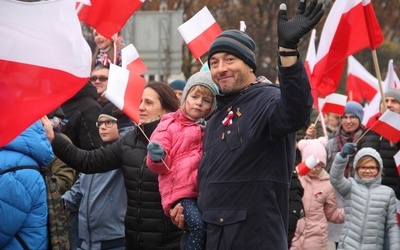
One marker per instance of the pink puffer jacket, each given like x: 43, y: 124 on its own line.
x: 320, y: 206
x: 182, y: 140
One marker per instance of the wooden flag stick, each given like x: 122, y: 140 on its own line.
x: 378, y: 76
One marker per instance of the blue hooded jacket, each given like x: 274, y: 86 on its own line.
x: 23, y: 206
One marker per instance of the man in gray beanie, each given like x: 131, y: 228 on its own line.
x: 249, y: 143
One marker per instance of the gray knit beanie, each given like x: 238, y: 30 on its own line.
x: 395, y: 93
x: 354, y: 108
x: 202, y: 78
x: 237, y: 43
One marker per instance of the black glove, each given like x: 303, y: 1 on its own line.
x: 291, y: 31
x: 348, y: 148
x: 156, y: 151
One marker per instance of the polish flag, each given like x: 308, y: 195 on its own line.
x: 335, y: 103
x: 125, y: 90
x: 351, y: 26
x: 199, y: 32
x: 108, y: 17
x: 131, y: 60
x: 309, y: 66
x: 360, y: 85
x: 44, y: 61
x: 388, y: 126
x: 304, y: 167
x: 397, y: 161
x: 391, y: 82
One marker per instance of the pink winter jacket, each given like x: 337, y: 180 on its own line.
x: 182, y: 140
x: 320, y: 206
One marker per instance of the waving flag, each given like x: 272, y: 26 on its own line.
x: 309, y: 66
x: 199, y: 32
x: 125, y: 89
x: 108, y: 17
x: 131, y: 60
x: 44, y: 61
x: 350, y: 27
x: 391, y: 82
x: 335, y: 103
x: 388, y: 126
x: 360, y: 85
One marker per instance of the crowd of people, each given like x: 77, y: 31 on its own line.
x: 211, y: 163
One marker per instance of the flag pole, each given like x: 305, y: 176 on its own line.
x: 378, y: 76
x: 141, y: 130
x: 362, y: 135
x: 80, y: 6
x: 201, y: 61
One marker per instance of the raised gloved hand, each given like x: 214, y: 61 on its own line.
x: 156, y: 151
x: 348, y: 148
x: 291, y: 31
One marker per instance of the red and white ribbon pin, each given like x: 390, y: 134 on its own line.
x: 228, y: 119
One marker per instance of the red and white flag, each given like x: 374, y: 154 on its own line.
x: 199, y: 32
x: 125, y: 90
x: 350, y: 27
x: 108, y: 17
x: 335, y: 103
x: 309, y: 66
x: 391, y: 82
x: 304, y: 167
x: 44, y: 61
x: 131, y: 60
x: 388, y: 126
x: 360, y: 85
x: 397, y: 161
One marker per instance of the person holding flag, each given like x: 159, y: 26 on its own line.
x: 146, y: 225
x: 249, y: 142
x: 370, y: 207
x: 387, y: 149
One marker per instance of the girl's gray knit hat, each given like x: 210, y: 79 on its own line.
x: 202, y: 78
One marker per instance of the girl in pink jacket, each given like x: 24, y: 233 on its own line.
x: 319, y: 200
x: 175, y: 150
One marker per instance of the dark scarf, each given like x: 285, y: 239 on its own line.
x: 341, y: 138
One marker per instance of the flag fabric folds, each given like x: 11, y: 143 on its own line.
x: 335, y: 103
x: 131, y: 60
x: 397, y: 161
x: 125, y: 90
x: 199, y: 32
x: 309, y: 66
x: 108, y: 17
x: 361, y: 85
x: 350, y: 27
x: 388, y: 126
x: 391, y: 82
x: 44, y: 61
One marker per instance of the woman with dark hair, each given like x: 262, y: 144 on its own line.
x: 146, y: 225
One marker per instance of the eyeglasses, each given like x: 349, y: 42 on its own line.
x: 100, y: 78
x: 371, y: 169
x: 108, y: 123
x: 350, y: 117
